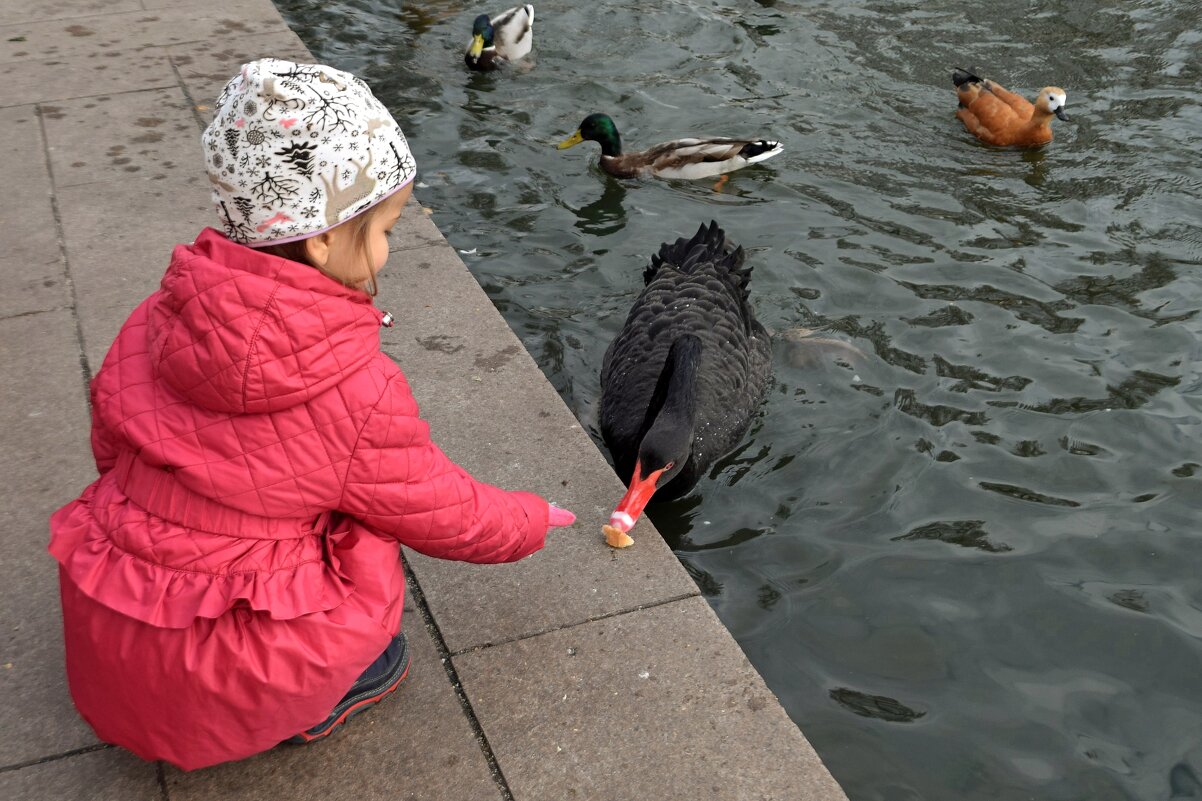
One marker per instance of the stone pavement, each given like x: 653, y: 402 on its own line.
x: 580, y: 673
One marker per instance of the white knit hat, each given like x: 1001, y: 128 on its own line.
x: 295, y: 149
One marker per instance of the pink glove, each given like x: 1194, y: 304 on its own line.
x: 558, y: 517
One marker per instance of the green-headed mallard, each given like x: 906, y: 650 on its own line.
x: 501, y: 39
x: 680, y: 158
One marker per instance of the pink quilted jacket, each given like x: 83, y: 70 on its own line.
x: 236, y: 565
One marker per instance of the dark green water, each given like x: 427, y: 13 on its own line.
x: 968, y: 562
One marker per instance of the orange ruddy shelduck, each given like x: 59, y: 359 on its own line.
x: 999, y: 117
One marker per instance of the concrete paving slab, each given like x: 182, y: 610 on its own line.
x: 637, y: 707
x: 31, y: 265
x: 45, y: 80
x: 32, y: 283
x: 481, y: 393
x: 12, y: 11
x: 152, y: 133
x: 115, y: 258
x: 106, y: 775
x: 416, y: 230
x: 191, y: 22
x: 417, y: 744
x: 205, y: 67
x: 47, y: 461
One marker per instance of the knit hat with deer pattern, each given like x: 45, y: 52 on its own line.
x: 295, y: 149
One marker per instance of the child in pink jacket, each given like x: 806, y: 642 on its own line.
x: 233, y: 578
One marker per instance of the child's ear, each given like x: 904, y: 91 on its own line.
x: 317, y: 249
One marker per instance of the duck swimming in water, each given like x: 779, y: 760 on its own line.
x: 683, y: 378
x: 681, y: 158
x: 499, y: 40
x: 998, y: 117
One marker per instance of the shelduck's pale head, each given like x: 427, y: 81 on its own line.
x: 1051, y: 100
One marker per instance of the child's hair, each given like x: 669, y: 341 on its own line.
x: 357, y: 226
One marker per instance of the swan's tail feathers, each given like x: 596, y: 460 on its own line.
x: 673, y: 254
x: 708, y: 246
x: 960, y: 77
x: 761, y: 150
x: 726, y: 256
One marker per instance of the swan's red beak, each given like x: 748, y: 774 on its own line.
x: 637, y: 496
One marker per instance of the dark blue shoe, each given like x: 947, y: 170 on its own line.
x: 381, y: 678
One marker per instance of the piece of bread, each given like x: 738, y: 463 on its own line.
x: 616, y: 538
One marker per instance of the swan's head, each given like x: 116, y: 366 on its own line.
x: 1051, y: 99
x: 659, y: 461
x: 668, y: 443
x: 481, y: 35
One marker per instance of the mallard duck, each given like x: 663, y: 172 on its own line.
x: 998, y: 117
x: 680, y: 158
x: 681, y: 382
x: 501, y: 39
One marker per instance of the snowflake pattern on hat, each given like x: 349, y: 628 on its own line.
x: 295, y: 149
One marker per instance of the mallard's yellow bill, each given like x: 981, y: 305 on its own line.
x: 571, y: 141
x: 477, y: 46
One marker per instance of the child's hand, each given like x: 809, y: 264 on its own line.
x: 558, y: 517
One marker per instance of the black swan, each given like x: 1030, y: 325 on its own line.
x: 681, y: 381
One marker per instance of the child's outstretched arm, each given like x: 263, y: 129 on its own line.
x: 401, y: 484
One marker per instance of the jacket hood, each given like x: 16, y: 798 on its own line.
x: 236, y: 330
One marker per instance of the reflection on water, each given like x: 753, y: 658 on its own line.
x: 960, y: 541
x: 606, y: 215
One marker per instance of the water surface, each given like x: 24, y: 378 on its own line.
x: 967, y: 562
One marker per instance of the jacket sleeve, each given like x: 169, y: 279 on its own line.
x: 105, y: 446
x: 401, y: 485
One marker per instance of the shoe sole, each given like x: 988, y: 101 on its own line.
x: 354, y: 709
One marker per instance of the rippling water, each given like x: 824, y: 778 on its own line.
x: 967, y: 560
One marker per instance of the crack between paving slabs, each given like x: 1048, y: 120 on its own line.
x: 423, y: 609
x: 85, y: 368
x: 29, y: 763
x: 606, y: 616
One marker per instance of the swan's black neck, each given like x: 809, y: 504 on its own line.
x: 668, y: 429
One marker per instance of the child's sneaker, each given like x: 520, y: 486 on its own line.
x: 381, y: 677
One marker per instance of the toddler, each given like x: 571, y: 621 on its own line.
x: 233, y: 578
